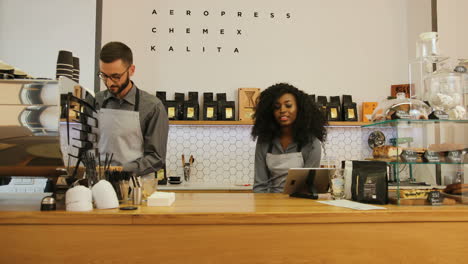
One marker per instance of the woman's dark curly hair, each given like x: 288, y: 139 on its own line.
x: 309, y: 123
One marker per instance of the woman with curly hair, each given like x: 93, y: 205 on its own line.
x: 290, y: 130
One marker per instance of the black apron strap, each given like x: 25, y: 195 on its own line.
x: 137, y: 100
x: 104, y: 104
x: 270, y: 147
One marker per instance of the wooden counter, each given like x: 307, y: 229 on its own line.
x: 240, y: 228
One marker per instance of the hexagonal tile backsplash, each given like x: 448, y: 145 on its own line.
x: 224, y: 154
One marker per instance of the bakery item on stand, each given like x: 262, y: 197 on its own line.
x: 457, y: 188
x: 386, y: 152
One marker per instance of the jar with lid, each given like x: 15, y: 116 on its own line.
x: 462, y: 68
x: 400, y: 108
x: 427, y: 45
x: 445, y: 94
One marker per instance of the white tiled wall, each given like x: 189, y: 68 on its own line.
x: 225, y: 154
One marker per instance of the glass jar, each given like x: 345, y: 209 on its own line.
x: 462, y: 68
x: 445, y: 92
x: 427, y: 45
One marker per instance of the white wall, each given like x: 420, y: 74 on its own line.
x: 357, y: 47
x: 33, y: 31
x: 418, y: 20
x: 453, y: 27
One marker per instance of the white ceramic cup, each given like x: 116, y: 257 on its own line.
x: 104, y: 195
x: 79, y: 199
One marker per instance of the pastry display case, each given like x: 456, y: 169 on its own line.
x: 423, y: 156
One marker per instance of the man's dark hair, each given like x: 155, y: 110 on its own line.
x: 310, y: 122
x: 114, y: 50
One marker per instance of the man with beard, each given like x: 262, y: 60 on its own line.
x: 133, y: 124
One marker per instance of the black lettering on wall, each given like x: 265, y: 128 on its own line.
x: 205, y: 31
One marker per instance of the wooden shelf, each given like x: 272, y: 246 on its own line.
x: 348, y: 123
x: 209, y: 122
x: 238, y: 123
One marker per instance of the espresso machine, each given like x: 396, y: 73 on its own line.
x: 45, y: 126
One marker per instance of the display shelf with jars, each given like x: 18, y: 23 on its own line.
x: 423, y: 156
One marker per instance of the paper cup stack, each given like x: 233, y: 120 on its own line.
x: 6, y: 71
x: 76, y: 69
x: 65, y: 64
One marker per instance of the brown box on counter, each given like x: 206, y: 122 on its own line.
x: 247, y: 101
x: 367, y: 110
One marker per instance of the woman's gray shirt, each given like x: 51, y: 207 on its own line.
x: 311, y: 152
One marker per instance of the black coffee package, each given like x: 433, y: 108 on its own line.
x: 334, y: 109
x: 172, y: 109
x: 228, y: 110
x: 191, y: 110
x: 221, y: 100
x: 369, y: 182
x: 161, y: 96
x: 207, y: 97
x: 312, y: 98
x: 193, y: 96
x: 210, y: 111
x: 349, y: 109
x: 322, y: 105
x: 191, y: 107
x: 350, y: 112
x: 179, y: 99
x: 221, y: 97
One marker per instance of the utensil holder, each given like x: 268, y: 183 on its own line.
x: 136, y: 195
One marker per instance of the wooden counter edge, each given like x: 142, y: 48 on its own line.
x: 227, y: 218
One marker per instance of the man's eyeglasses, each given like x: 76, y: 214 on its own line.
x: 114, y: 77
